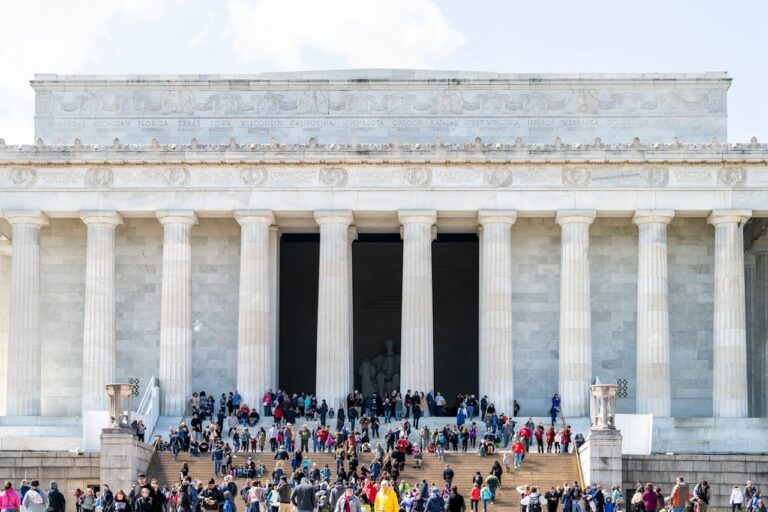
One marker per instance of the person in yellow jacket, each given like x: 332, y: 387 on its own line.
x: 386, y: 498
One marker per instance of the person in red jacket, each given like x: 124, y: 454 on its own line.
x: 539, y: 435
x: 550, y: 438
x: 565, y: 439
x: 518, y: 448
x: 370, y: 490
x: 525, y: 433
x: 474, y: 498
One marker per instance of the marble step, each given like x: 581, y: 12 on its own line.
x: 543, y: 470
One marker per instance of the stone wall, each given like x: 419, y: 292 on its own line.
x: 691, y: 256
x: 71, y: 471
x: 62, y: 273
x: 613, y: 256
x: 138, y: 271
x: 536, y: 288
x: 535, y: 316
x: 722, y: 472
x: 215, y: 298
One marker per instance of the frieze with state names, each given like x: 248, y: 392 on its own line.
x: 570, y: 102
x: 377, y: 107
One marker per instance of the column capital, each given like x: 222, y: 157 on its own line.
x: 334, y: 217
x: 653, y: 216
x: 107, y: 218
x: 575, y: 216
x: 417, y: 216
x: 185, y: 217
x: 255, y: 217
x: 728, y: 216
x: 496, y: 217
x: 35, y: 217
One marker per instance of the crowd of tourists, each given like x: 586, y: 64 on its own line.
x: 357, y: 423
x: 312, y: 491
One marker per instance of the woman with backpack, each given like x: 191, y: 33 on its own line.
x: 35, y: 499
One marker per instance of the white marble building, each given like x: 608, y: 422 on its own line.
x: 144, y: 233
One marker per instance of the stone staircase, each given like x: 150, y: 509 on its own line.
x: 543, y: 470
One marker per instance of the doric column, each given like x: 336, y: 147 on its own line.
x: 99, y: 311
x: 653, y: 384
x: 334, y: 307
x: 575, y: 355
x: 5, y: 296
x: 24, y: 348
x: 495, y: 347
x: 729, y: 373
x: 176, y: 311
x: 759, y: 346
x: 255, y: 365
x: 417, y: 366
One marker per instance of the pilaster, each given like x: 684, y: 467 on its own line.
x: 758, y: 351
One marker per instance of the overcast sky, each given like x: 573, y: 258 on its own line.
x: 251, y: 36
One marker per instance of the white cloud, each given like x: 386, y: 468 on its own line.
x: 51, y: 36
x: 362, y: 33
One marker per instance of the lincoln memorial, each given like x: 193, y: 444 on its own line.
x: 510, y: 235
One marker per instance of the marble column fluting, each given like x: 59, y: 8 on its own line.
x: 255, y: 365
x: 653, y: 362
x: 417, y: 368
x: 759, y: 353
x: 24, y: 339
x: 176, y: 311
x: 496, y: 368
x: 575, y: 344
x: 334, y: 308
x: 5, y: 289
x: 729, y: 372
x: 99, y: 349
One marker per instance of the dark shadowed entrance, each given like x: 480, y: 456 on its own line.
x: 299, y: 273
x: 377, y: 270
x: 455, y: 292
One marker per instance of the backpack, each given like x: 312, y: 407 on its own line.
x: 534, y: 506
x: 323, y: 505
x: 35, y: 497
x: 441, y: 439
